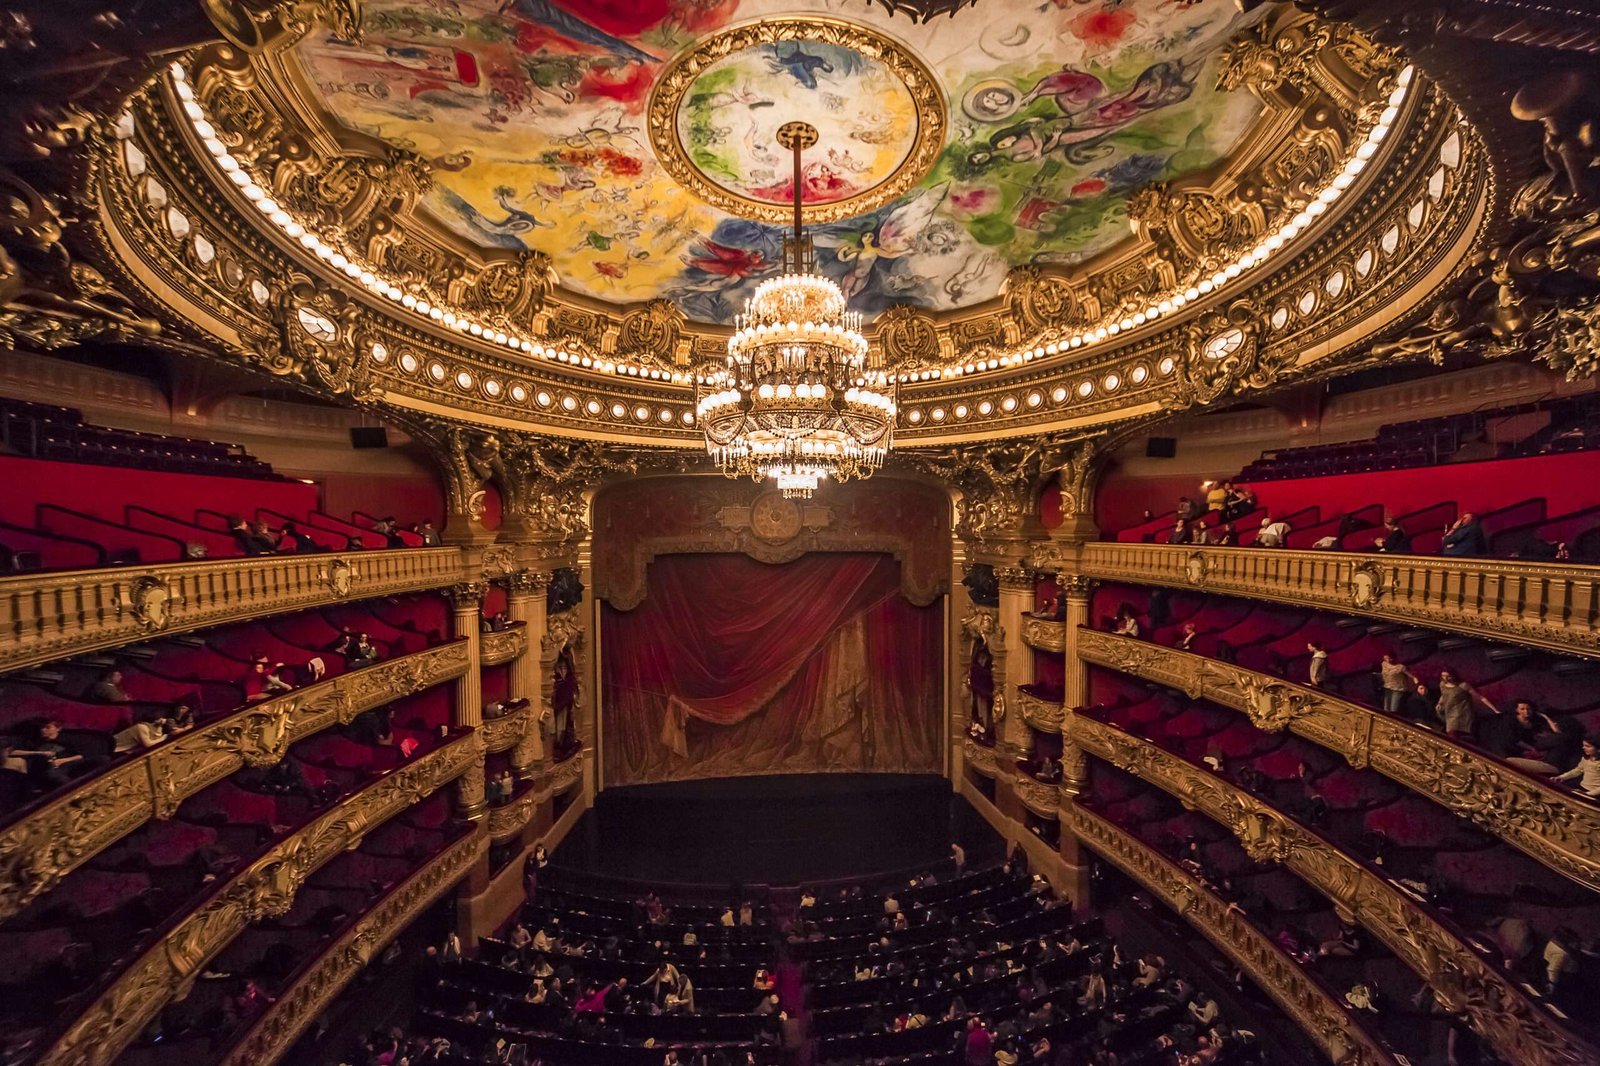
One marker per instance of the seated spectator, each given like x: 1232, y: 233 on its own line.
x: 1180, y: 532
x: 1125, y: 624
x: 1317, y: 668
x: 1465, y: 538
x: 147, y: 734
x: 354, y: 543
x: 1225, y: 536
x: 1204, y: 1009
x: 390, y: 531
x: 1587, y: 772
x: 1395, y: 540
x: 52, y: 761
x: 245, y: 537
x: 1274, y: 532
x: 1554, y: 751
x: 267, y: 539
x: 362, y: 653
x: 109, y: 688
x: 299, y: 542
x: 1396, y: 679
x: 429, y: 535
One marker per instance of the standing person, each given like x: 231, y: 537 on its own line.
x: 1455, y: 704
x: 1317, y: 669
x: 1397, y: 680
x: 979, y: 1049
x: 1217, y: 496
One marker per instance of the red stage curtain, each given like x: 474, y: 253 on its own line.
x: 733, y: 666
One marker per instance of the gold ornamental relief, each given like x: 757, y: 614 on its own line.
x: 691, y: 147
x: 773, y: 518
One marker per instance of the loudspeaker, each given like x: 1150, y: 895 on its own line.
x: 1161, y: 447
x: 369, y: 437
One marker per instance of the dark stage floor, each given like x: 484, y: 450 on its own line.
x: 774, y: 830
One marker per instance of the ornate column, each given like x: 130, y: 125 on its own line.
x: 1075, y: 590
x: 1013, y: 660
x: 526, y: 602
x: 467, y: 599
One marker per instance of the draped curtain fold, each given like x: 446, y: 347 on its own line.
x: 733, y: 666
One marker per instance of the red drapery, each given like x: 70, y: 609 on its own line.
x: 732, y: 666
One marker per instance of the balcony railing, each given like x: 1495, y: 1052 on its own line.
x: 1040, y: 713
x: 1555, y: 826
x: 52, y: 616
x: 1508, y: 1017
x: 325, y: 976
x: 502, y: 645
x: 1543, y: 605
x: 264, y: 889
x: 49, y: 843
x: 1325, y: 1019
x: 508, y: 819
x: 501, y: 733
x: 1045, y: 634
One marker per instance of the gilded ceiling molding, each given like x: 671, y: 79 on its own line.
x: 1520, y: 1030
x: 272, y: 1034
x: 41, y: 849
x: 1550, y: 824
x: 1540, y: 605
x: 264, y: 889
x: 1305, y: 999
x: 65, y: 613
x: 415, y: 363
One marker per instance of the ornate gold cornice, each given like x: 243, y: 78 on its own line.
x: 1520, y: 1029
x: 503, y: 645
x: 503, y: 732
x: 1044, y: 634
x: 507, y: 820
x: 264, y: 889
x: 978, y: 756
x: 1042, y: 715
x: 1551, y: 606
x: 276, y: 1030
x: 38, y: 851
x: 561, y: 776
x: 55, y: 615
x: 1313, y: 1007
x: 1553, y: 825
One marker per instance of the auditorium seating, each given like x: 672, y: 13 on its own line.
x: 42, y: 431
x: 1472, y: 879
x: 207, y: 672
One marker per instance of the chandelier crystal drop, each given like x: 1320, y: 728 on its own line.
x: 801, y: 397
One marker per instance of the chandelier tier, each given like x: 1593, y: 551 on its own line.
x: 801, y: 397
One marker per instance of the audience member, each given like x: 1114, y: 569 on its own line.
x: 1395, y: 679
x: 1395, y: 540
x: 109, y: 688
x: 362, y: 653
x: 1465, y: 537
x: 1274, y: 532
x: 1317, y: 668
x: 1587, y: 772
x: 1217, y: 495
x: 1454, y: 705
x: 299, y: 541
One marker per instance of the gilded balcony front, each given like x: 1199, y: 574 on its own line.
x: 325, y: 976
x: 1325, y: 1019
x: 42, y: 848
x: 1521, y: 1030
x: 55, y: 615
x: 1544, y: 605
x: 1559, y: 828
x: 502, y: 645
x: 264, y: 889
x: 1044, y: 634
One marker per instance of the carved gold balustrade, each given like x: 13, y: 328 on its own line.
x: 1040, y: 798
x: 507, y: 820
x: 1326, y: 1020
x: 264, y: 889
x: 502, y: 733
x: 325, y: 976
x: 51, y: 616
x: 1041, y: 714
x: 979, y: 757
x: 503, y: 645
x: 1539, y: 604
x: 1509, y: 1018
x: 41, y: 849
x: 1044, y: 634
x: 1554, y: 826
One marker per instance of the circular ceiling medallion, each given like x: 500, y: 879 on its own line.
x: 715, y: 114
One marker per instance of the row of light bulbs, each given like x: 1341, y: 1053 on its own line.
x: 363, y: 274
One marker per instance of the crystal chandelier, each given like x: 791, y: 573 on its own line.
x: 801, y: 398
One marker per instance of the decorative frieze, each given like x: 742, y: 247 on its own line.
x: 502, y: 645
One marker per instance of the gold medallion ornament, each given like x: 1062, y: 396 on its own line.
x: 879, y: 106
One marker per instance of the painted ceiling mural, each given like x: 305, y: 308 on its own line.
x: 535, y: 114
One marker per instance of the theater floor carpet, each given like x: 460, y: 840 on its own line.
x: 775, y: 830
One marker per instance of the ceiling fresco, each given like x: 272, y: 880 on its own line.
x: 1010, y: 133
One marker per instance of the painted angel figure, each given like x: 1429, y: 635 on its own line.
x: 894, y: 237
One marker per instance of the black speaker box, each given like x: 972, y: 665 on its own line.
x: 369, y: 437
x: 1161, y: 447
